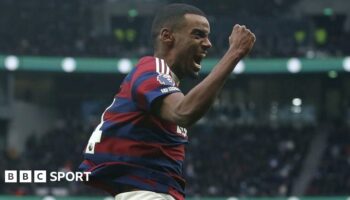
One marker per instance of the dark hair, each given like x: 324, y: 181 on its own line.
x: 171, y: 15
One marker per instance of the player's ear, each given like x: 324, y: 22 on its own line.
x: 166, y: 36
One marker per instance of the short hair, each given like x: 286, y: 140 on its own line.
x: 172, y: 15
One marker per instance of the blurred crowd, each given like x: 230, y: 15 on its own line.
x: 66, y: 28
x: 241, y: 159
x: 333, y: 176
x: 245, y: 160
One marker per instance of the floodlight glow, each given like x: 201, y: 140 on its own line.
x: 346, y: 64
x: 124, y: 65
x: 240, y: 67
x: 49, y: 198
x: 69, y: 64
x: 294, y: 65
x: 332, y: 74
x: 297, y: 102
x: 296, y: 109
x: 293, y: 198
x: 232, y: 198
x: 328, y: 11
x: 133, y: 13
x: 11, y: 63
x: 310, y: 54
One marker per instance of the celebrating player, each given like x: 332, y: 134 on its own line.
x: 137, y: 151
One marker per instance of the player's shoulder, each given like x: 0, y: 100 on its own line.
x: 150, y: 64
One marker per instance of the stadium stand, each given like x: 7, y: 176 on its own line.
x: 69, y: 30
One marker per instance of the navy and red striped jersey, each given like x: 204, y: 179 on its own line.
x: 133, y: 147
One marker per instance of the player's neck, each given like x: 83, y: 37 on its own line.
x: 175, y: 78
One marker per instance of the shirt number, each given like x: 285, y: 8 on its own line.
x: 97, y: 134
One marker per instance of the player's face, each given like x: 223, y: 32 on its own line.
x: 191, y: 45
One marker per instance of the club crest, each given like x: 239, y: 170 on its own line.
x: 165, y: 79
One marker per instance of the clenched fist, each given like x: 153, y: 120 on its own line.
x: 241, y: 40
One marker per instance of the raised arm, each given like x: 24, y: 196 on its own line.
x: 186, y: 110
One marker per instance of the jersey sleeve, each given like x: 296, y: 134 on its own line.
x: 149, y: 84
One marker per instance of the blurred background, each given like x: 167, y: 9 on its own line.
x: 280, y: 127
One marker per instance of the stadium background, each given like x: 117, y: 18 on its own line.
x: 279, y: 130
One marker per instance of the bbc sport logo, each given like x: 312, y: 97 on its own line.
x: 41, y: 176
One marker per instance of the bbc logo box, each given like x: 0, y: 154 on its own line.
x: 39, y: 176
x: 25, y: 176
x: 10, y: 176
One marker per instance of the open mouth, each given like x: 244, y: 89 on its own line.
x: 197, y: 60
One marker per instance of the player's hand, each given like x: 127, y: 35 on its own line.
x: 241, y: 40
